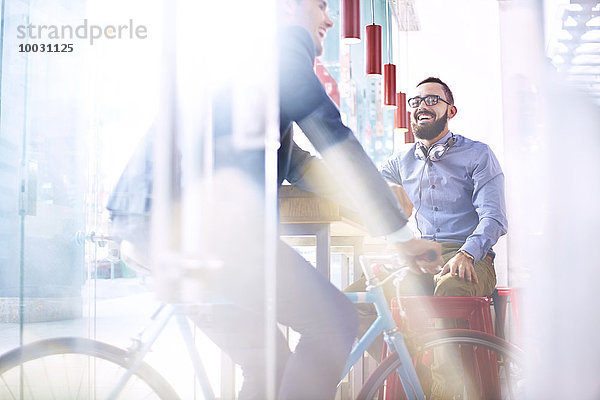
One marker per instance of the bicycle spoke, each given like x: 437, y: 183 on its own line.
x: 481, y: 379
x: 75, y: 368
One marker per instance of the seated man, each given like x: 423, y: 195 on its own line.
x: 457, y: 188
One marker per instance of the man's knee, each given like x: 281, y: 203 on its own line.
x: 449, y: 285
x: 349, y: 321
x: 337, y: 322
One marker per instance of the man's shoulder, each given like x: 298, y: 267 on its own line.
x: 406, y: 152
x: 296, y: 38
x: 471, y: 144
x: 474, y: 153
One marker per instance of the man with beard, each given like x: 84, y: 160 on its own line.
x: 457, y: 187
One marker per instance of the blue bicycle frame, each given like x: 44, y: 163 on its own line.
x: 395, y: 340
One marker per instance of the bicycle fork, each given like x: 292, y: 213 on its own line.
x: 406, y: 371
x: 385, y: 324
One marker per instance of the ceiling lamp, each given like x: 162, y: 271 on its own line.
x: 389, y: 69
x: 350, y: 21
x: 408, y: 135
x: 373, y: 46
x: 401, y: 116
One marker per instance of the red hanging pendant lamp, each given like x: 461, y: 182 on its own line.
x: 389, y: 89
x: 373, y: 46
x: 389, y: 69
x: 373, y: 49
x: 408, y: 135
x: 401, y: 116
x: 350, y: 21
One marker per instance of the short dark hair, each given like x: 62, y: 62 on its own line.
x: 447, y: 90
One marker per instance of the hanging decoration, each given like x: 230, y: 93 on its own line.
x: 373, y: 46
x: 401, y: 116
x: 389, y: 88
x: 389, y: 69
x: 408, y: 135
x: 350, y: 21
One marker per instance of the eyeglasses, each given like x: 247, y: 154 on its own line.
x: 430, y: 100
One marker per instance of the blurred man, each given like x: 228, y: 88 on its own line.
x: 306, y: 301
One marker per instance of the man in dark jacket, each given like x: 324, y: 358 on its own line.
x: 305, y: 300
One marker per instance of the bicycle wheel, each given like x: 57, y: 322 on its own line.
x: 494, y: 367
x: 75, y: 368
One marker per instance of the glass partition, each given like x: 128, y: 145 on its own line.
x: 85, y: 88
x: 44, y: 141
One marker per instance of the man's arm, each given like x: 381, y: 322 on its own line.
x: 304, y: 100
x: 310, y: 173
x: 490, y: 205
x: 489, y: 202
x: 391, y: 173
x: 403, y: 199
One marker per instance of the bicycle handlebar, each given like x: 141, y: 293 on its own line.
x: 393, y: 262
x: 431, y: 255
x: 368, y: 262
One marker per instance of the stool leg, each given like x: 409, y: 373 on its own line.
x: 486, y: 360
x: 500, y: 305
x: 514, y: 302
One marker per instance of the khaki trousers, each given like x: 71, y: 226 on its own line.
x: 447, y: 375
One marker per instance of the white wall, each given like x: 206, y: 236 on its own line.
x: 460, y: 44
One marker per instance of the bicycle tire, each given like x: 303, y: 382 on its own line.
x: 75, y: 368
x: 510, y: 360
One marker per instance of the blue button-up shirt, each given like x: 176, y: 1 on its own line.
x: 459, y: 198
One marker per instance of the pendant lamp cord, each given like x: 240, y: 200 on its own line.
x: 406, y: 19
x: 372, y: 12
x: 389, y: 31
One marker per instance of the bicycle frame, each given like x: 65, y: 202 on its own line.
x: 145, y: 340
x: 384, y: 323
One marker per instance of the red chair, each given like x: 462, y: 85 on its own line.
x: 421, y: 312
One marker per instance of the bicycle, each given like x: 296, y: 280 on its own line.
x: 69, y: 368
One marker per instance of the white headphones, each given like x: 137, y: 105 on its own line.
x: 435, y: 152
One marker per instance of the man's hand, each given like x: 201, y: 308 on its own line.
x: 403, y: 199
x: 415, y: 253
x: 462, y: 266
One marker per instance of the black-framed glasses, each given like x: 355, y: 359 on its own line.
x: 430, y: 100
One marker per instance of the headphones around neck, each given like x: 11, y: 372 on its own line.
x: 435, y: 152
